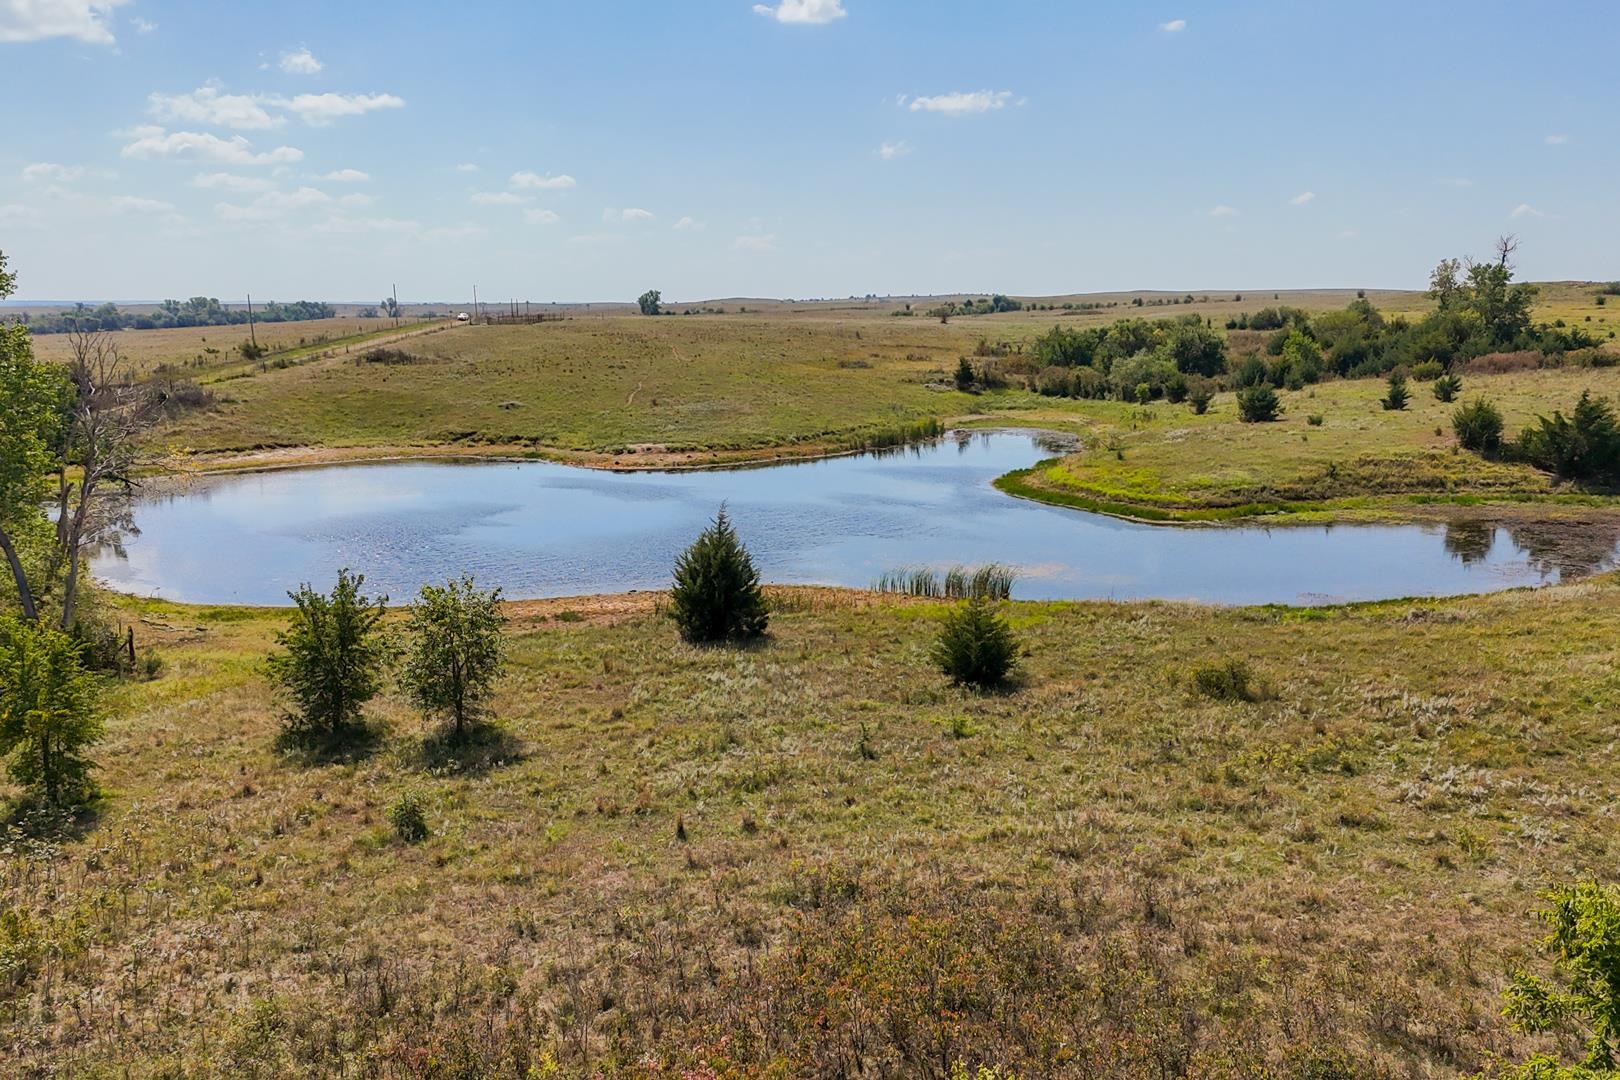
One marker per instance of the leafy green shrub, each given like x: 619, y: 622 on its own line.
x: 455, y: 652
x: 408, y: 815
x: 332, y: 660
x: 50, y: 712
x: 1584, y: 445
x: 1447, y: 387
x: 1315, y: 419
x: 1424, y: 370
x: 975, y: 645
x: 1258, y: 404
x: 1225, y: 680
x: 964, y: 377
x: 1396, y: 397
x: 1478, y: 426
x: 1199, y: 398
x: 716, y: 596
x: 1585, y: 942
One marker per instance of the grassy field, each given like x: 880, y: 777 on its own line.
x: 1161, y: 462
x: 197, y: 351
x: 789, y: 860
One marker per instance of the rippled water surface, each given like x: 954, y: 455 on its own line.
x: 540, y: 529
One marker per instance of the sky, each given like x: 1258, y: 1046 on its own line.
x: 576, y: 151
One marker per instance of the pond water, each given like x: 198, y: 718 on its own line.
x: 539, y: 529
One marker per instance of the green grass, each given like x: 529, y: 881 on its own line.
x: 1100, y: 858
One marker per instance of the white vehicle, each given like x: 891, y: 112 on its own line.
x: 463, y: 317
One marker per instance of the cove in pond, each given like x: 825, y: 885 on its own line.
x: 539, y: 529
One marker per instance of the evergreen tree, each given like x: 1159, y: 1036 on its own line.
x: 332, y: 660
x: 716, y: 596
x: 50, y: 712
x: 1398, y: 395
x: 975, y: 645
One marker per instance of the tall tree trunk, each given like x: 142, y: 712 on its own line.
x: 24, y: 594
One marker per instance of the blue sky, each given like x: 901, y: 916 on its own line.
x: 587, y: 151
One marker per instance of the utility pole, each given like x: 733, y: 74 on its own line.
x: 252, y: 336
x: 396, y: 305
x: 475, y: 303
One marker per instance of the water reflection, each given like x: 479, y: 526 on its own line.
x: 541, y: 529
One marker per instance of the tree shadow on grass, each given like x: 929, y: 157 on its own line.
x: 37, y: 821
x: 346, y: 746
x: 481, y: 747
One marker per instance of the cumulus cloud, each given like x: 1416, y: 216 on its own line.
x: 274, y: 204
x: 1557, y: 139
x: 134, y: 204
x: 142, y: 26
x: 1524, y: 210
x: 466, y: 166
x: 495, y: 198
x: 533, y: 181
x: 300, y: 62
x: 89, y: 21
x: 628, y: 214
x: 223, y: 181
x: 1302, y: 198
x: 50, y: 170
x: 1174, y: 26
x: 541, y: 217
x: 758, y: 242
x: 961, y: 102
x: 803, y: 12
x: 1223, y: 211
x: 891, y: 150
x: 156, y: 142
x: 687, y: 224
x: 319, y: 110
x: 208, y: 105
x: 347, y: 176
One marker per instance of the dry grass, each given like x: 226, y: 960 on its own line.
x: 816, y: 857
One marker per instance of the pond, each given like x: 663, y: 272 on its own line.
x: 541, y: 529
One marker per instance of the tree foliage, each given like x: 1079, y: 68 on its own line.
x: 975, y: 646
x: 1584, y: 445
x: 1585, y: 943
x: 1478, y: 426
x: 1396, y: 395
x: 456, y: 651
x: 32, y: 397
x: 332, y: 660
x: 1258, y: 404
x: 650, y: 302
x: 717, y: 596
x: 50, y: 712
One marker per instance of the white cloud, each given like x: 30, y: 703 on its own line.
x: 688, y: 224
x: 496, y: 198
x: 207, y: 105
x: 764, y: 242
x: 891, y: 150
x: 1174, y: 26
x: 1556, y: 140
x: 300, y: 62
x: 466, y: 166
x: 274, y: 204
x: 319, y: 110
x: 142, y: 26
x: 355, y: 199
x: 628, y: 214
x: 49, y: 170
x: 153, y: 142
x: 1455, y: 182
x: 347, y: 176
x: 35, y: 20
x: 17, y: 216
x: 223, y: 181
x: 1302, y: 198
x: 803, y: 12
x: 962, y: 102
x: 541, y: 217
x: 1223, y: 211
x: 134, y: 204
x: 1524, y: 210
x: 534, y: 181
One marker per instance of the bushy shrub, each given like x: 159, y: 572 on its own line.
x: 1397, y: 395
x: 1447, y: 387
x: 964, y: 377
x: 1258, y: 404
x: 455, y: 651
x: 1585, y: 941
x: 1478, y: 426
x: 1428, y: 369
x: 1315, y: 419
x: 975, y: 646
x: 408, y: 815
x: 1584, y: 445
x: 716, y: 596
x: 1199, y: 398
x: 50, y: 712
x: 331, y: 660
x: 1225, y: 680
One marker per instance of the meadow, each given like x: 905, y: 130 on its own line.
x: 815, y: 856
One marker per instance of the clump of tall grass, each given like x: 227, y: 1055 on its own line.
x: 992, y: 581
x: 903, y: 434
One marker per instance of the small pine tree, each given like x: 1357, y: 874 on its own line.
x: 975, y: 646
x: 1478, y: 426
x: 716, y: 596
x: 50, y: 712
x: 1398, y: 395
x: 455, y: 651
x: 1258, y: 404
x: 964, y: 374
x: 332, y: 660
x: 1447, y: 387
